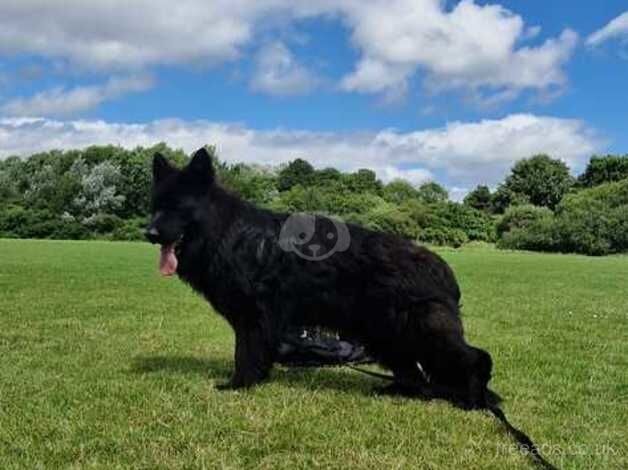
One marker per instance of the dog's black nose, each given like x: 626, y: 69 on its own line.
x: 152, y: 234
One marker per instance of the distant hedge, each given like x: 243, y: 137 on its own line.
x: 592, y: 221
x: 103, y: 192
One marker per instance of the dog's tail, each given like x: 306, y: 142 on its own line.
x: 491, y: 404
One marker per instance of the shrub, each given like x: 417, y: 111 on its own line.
x: 475, y: 224
x: 539, y: 235
x: 618, y: 229
x: 254, y: 183
x: 131, y: 230
x: 20, y: 222
x: 389, y: 218
x: 298, y: 199
x: 503, y: 198
x: 443, y: 236
x: 103, y: 223
x: 592, y: 222
x: 398, y: 191
x: 520, y: 217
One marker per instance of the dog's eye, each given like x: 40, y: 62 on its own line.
x: 302, y: 235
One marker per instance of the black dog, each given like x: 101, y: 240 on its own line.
x: 265, y: 271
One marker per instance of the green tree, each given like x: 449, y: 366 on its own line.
x: 398, y: 191
x: 604, y: 170
x: 298, y: 199
x: 296, y: 172
x: 480, y: 199
x: 504, y: 198
x: 10, y: 169
x: 254, y: 183
x: 98, y: 192
x: 363, y: 181
x: 326, y: 177
x: 431, y: 192
x: 541, y: 179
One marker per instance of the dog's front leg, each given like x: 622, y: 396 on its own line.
x: 254, y: 354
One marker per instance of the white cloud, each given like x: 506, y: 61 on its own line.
x: 278, y: 73
x: 460, y: 154
x: 617, y: 27
x: 64, y: 102
x: 473, y: 47
x: 117, y: 33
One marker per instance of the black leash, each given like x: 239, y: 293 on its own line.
x: 524, y: 441
x: 372, y: 374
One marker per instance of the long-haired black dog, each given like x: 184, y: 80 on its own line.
x: 266, y: 271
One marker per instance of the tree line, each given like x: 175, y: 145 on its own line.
x: 103, y: 192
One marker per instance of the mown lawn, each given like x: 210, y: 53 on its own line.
x: 103, y: 364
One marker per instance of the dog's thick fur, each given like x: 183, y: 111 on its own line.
x: 398, y: 299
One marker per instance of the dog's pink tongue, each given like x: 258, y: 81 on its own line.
x: 168, y: 261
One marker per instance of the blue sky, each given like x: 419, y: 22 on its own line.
x: 418, y: 89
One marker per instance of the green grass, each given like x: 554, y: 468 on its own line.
x: 103, y: 364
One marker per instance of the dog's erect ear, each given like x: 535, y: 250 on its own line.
x: 201, y: 166
x: 161, y: 167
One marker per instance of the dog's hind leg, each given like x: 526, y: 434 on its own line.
x: 254, y: 353
x: 458, y: 372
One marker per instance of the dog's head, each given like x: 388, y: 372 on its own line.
x: 176, y: 203
x: 313, y: 237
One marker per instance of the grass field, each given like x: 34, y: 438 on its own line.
x: 103, y: 364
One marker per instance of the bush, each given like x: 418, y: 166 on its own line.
x: 398, y: 191
x: 503, y: 198
x: 618, y: 229
x: 131, y: 230
x: 475, y: 224
x: 20, y: 222
x: 255, y: 184
x: 353, y: 203
x: 388, y: 218
x: 520, y: 217
x: 103, y: 224
x: 592, y: 222
x: 443, y: 236
x: 539, y: 235
x: 298, y: 199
